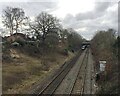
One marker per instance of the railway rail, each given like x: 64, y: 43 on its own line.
x: 54, y: 86
x: 88, y: 87
x: 80, y: 79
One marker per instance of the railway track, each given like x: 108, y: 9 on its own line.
x: 85, y: 74
x: 80, y: 79
x: 86, y: 81
x: 88, y: 87
x: 52, y: 86
x: 79, y: 71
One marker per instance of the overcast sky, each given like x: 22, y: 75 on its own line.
x: 84, y: 16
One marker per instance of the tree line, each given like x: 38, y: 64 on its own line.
x: 105, y: 46
x: 45, y: 29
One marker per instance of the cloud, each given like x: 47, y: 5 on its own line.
x: 102, y: 17
x: 28, y: 0
x: 102, y: 6
x: 99, y: 10
x: 31, y: 8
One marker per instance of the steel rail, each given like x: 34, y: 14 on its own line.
x: 57, y: 78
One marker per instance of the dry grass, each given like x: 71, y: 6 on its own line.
x: 25, y: 71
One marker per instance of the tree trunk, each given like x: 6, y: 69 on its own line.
x: 16, y: 30
x: 11, y: 31
x: 43, y: 37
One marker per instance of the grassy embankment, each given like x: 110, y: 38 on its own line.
x: 21, y: 71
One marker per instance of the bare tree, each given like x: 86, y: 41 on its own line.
x: 19, y: 17
x: 34, y: 30
x: 45, y: 23
x: 13, y: 18
x: 8, y: 19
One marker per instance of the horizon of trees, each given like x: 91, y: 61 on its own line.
x: 45, y: 29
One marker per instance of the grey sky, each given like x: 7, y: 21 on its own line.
x: 84, y: 16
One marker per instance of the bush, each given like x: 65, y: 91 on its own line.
x: 21, y: 42
x: 65, y: 52
x: 102, y: 47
